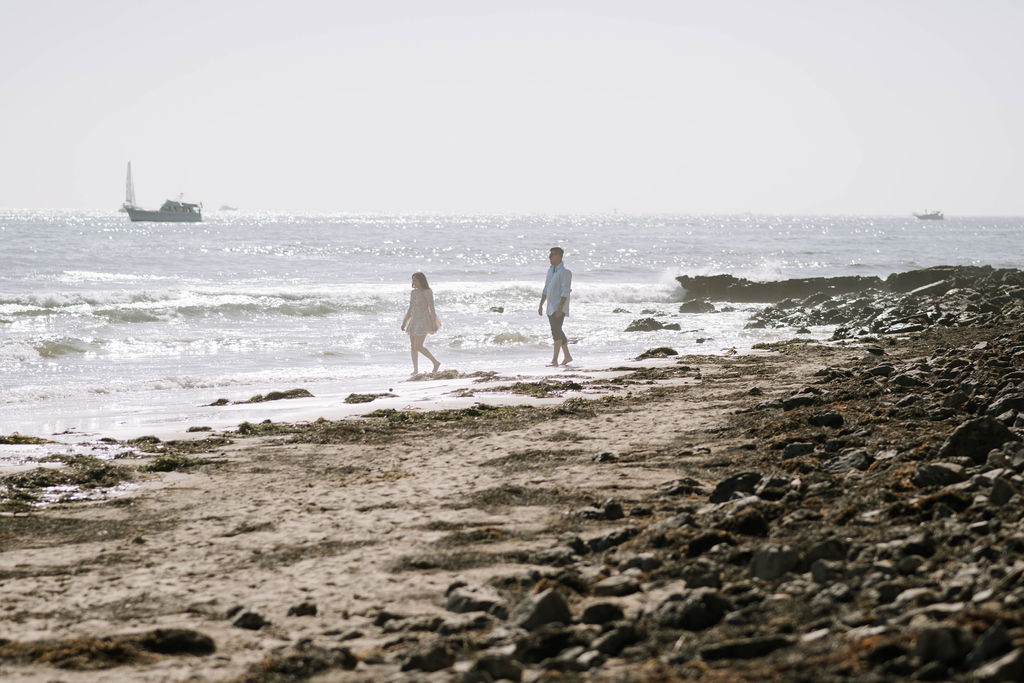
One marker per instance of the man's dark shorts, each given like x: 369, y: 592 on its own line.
x: 556, y: 328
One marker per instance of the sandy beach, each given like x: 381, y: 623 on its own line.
x: 826, y: 511
x: 359, y: 523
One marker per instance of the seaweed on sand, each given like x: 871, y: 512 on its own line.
x: 366, y: 398
x: 17, y: 439
x: 279, y: 395
x: 88, y: 654
x: 21, y: 490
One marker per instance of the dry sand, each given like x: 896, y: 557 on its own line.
x: 362, y: 523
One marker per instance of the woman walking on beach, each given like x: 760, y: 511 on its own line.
x: 421, y: 320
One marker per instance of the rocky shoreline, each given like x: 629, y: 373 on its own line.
x: 811, y: 513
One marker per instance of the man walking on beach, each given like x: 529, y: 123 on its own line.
x: 557, y: 286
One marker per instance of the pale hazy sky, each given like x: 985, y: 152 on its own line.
x: 773, y: 106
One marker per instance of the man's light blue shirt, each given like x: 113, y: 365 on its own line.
x: 557, y: 284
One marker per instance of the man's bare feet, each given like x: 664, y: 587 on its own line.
x: 567, y: 360
x: 437, y: 364
x: 552, y: 364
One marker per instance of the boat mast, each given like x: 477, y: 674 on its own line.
x: 129, y: 189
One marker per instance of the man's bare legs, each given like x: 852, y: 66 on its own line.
x: 418, y: 348
x: 564, y: 347
x: 567, y: 358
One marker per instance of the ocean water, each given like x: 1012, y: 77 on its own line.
x: 113, y: 328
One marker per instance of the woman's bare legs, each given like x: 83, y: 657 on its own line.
x: 417, y: 348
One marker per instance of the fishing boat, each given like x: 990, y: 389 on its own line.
x: 172, y: 211
x: 929, y: 215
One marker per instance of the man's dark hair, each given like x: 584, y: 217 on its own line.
x: 557, y: 250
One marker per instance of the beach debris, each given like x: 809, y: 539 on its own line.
x: 366, y: 398
x: 302, y: 660
x: 278, y: 396
x: 17, y: 439
x: 659, y: 352
x: 84, y: 654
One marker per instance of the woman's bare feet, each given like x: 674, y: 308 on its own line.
x: 437, y: 364
x: 567, y: 360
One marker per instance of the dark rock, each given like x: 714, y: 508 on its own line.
x: 497, y: 309
x: 1014, y: 402
x: 833, y: 548
x: 601, y: 613
x: 881, y: 370
x: 829, y: 418
x: 699, y: 610
x: 612, y: 539
x: 681, y: 487
x: 545, y: 642
x: 466, y: 599
x: 853, y: 459
x: 433, y: 657
x: 471, y: 621
x: 798, y: 401
x: 774, y: 488
x: 797, y: 449
x: 613, y: 642
x: 745, y: 648
x: 1002, y: 491
x: 558, y: 556
x: 616, y: 586
x: 706, y: 541
x: 304, y: 609
x: 772, y: 561
x: 827, y: 571
x: 702, y: 573
x: 540, y: 609
x: 944, y: 644
x: 250, y: 620
x: 498, y: 667
x: 645, y: 325
x: 975, y: 438
x: 739, y: 290
x: 932, y: 671
x: 1009, y: 667
x: 573, y: 542
x: 995, y: 641
x: 697, y: 307
x: 643, y: 561
x: 749, y: 521
x: 885, y: 652
x: 612, y: 510
x: 938, y: 474
x: 739, y: 483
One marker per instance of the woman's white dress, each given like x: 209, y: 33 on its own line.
x: 421, y: 312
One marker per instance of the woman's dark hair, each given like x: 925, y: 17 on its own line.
x: 421, y: 279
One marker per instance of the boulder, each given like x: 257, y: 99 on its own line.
x: 975, y: 438
x: 543, y: 608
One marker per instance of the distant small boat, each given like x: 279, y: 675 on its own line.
x: 227, y: 207
x: 172, y: 211
x: 930, y: 215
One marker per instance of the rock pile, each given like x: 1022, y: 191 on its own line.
x: 962, y: 296
x: 870, y: 528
